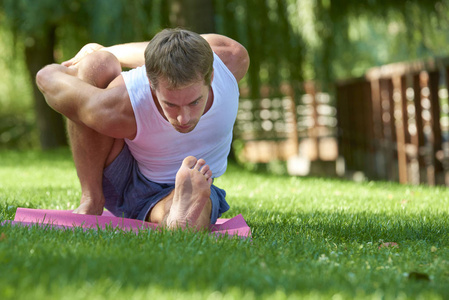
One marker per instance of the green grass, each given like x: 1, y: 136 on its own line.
x: 312, y: 238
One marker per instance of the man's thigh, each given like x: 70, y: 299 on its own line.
x: 127, y: 191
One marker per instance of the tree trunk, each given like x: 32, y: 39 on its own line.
x: 194, y: 15
x: 50, y: 124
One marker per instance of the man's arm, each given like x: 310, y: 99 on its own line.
x: 107, y: 111
x: 131, y: 55
x: 232, y: 53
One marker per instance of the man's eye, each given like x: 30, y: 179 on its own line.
x: 195, y: 103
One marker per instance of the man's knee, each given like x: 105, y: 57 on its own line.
x: 99, y: 68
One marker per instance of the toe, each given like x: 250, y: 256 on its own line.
x: 199, y: 164
x: 209, y: 181
x: 205, y: 169
x: 189, y: 161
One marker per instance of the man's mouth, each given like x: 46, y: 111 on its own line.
x: 184, y: 128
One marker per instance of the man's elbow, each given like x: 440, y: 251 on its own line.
x: 239, y: 61
x: 244, y: 60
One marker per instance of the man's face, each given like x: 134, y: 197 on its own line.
x: 183, y: 107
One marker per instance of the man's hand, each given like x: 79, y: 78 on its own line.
x: 87, y: 49
x: 89, y: 207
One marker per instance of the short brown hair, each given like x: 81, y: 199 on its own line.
x: 179, y: 56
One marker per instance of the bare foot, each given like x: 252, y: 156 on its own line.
x: 192, y: 191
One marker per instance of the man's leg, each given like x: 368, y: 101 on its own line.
x: 189, y: 204
x: 91, y: 150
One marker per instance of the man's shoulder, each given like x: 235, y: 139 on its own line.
x: 231, y: 53
x: 136, y: 82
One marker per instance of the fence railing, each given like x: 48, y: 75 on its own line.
x: 294, y: 121
x: 394, y: 122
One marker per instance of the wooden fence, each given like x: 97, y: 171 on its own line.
x: 291, y: 122
x: 393, y: 123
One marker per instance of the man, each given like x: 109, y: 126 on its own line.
x: 141, y: 139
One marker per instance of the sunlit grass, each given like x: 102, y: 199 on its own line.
x: 312, y: 238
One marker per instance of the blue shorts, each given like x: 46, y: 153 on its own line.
x: 130, y: 194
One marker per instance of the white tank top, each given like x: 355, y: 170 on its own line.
x: 159, y: 149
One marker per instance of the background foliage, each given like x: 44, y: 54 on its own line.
x: 288, y: 41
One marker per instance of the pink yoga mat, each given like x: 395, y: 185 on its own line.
x: 66, y: 219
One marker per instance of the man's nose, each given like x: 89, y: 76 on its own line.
x: 184, y: 116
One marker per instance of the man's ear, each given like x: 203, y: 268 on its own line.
x: 212, y: 76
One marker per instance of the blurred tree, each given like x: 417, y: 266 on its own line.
x: 48, y: 28
x: 195, y: 15
x: 39, y: 52
x: 274, y: 45
x: 288, y: 40
x: 39, y: 48
x: 345, y: 37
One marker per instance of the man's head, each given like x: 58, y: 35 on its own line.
x: 179, y: 66
x: 180, y: 57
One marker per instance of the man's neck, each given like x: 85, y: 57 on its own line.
x: 210, y: 100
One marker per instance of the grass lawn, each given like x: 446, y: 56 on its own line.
x: 312, y: 238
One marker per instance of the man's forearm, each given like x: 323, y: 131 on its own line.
x: 130, y: 55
